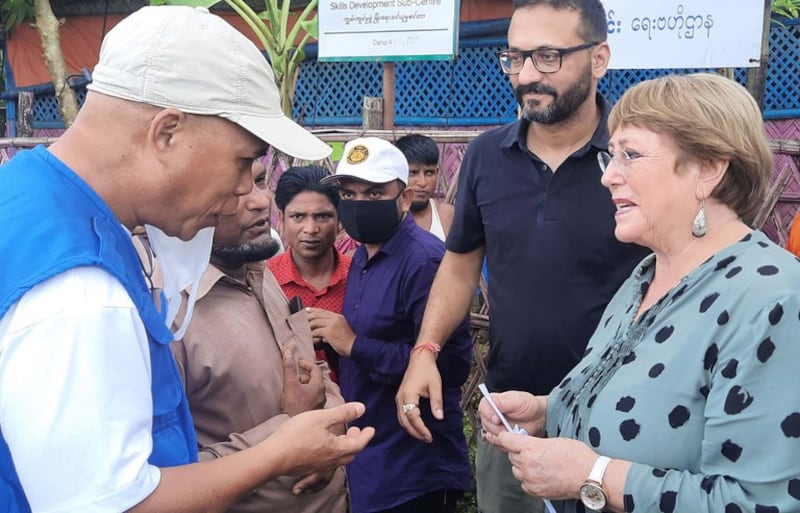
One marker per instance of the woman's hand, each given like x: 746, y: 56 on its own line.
x: 521, y: 408
x: 553, y: 468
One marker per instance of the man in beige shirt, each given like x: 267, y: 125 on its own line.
x: 248, y: 363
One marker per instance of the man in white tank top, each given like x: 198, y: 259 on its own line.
x: 422, y: 155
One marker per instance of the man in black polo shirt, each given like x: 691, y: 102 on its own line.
x: 530, y: 199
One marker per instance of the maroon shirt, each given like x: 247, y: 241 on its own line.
x: 329, y: 298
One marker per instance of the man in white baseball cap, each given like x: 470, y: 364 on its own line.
x: 93, y: 416
x: 387, y: 289
x: 375, y: 162
x: 191, y: 60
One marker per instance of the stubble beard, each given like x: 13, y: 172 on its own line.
x: 563, y: 106
x: 418, y: 206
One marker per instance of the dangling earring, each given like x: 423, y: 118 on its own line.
x: 700, y: 226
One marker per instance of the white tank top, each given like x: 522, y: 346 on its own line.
x: 436, y: 223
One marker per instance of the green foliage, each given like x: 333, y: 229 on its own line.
x: 14, y: 12
x: 469, y: 502
x: 786, y: 8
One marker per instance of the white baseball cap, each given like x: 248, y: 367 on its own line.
x: 196, y: 62
x: 373, y: 160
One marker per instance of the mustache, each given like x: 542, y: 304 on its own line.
x: 535, y: 88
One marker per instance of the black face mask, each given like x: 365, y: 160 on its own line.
x: 369, y: 222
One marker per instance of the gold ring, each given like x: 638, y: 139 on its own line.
x: 408, y: 407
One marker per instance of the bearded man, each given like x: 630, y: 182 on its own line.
x: 530, y: 199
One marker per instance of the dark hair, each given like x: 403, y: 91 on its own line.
x: 593, y: 26
x: 419, y: 148
x: 299, y: 179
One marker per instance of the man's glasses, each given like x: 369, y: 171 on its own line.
x: 545, y: 60
x: 622, y: 158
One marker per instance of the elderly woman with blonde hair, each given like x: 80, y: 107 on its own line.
x: 688, y: 396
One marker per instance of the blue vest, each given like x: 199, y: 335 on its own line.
x: 50, y: 222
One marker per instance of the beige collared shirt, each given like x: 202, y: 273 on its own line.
x: 231, y: 362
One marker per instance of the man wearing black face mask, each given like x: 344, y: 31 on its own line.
x: 387, y: 289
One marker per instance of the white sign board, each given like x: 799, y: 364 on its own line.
x: 387, y: 30
x: 684, y: 34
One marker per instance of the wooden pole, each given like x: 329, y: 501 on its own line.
x: 25, y: 114
x: 372, y: 113
x: 757, y: 77
x: 388, y: 96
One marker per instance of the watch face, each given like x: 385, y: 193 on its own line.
x: 593, y: 496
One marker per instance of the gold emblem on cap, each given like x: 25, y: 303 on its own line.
x: 357, y: 155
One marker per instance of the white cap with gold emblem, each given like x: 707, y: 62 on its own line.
x: 373, y: 160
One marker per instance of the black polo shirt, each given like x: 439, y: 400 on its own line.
x: 552, y: 257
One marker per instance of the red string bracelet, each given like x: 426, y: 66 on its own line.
x: 426, y: 346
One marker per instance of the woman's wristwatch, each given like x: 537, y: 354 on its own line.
x: 592, y: 494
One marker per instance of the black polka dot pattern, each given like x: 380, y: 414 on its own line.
x: 794, y: 488
x: 729, y: 371
x: 629, y: 429
x: 725, y: 262
x: 731, y: 450
x: 627, y: 501
x: 738, y: 399
x: 776, y: 314
x: 681, y: 291
x: 667, y: 503
x: 708, y: 483
x: 664, y: 333
x: 767, y: 270
x: 791, y: 426
x: 710, y: 358
x: 656, y: 370
x: 699, y: 380
x: 733, y: 272
x: 626, y: 404
x: 765, y: 350
x: 629, y: 358
x: 679, y: 416
x: 594, y: 437
x: 707, y: 301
